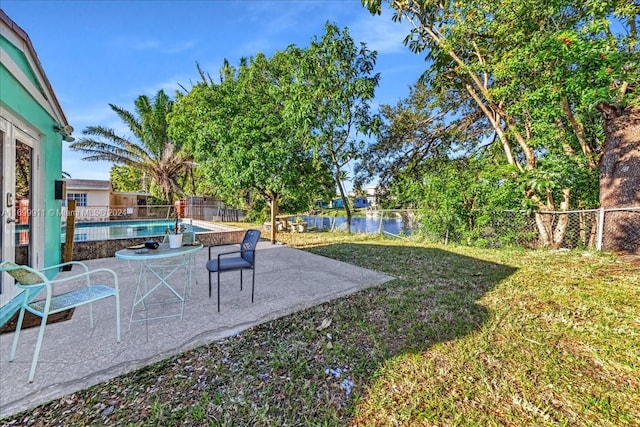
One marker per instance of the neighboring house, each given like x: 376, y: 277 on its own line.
x: 127, y: 205
x: 92, y: 198
x: 360, y: 202
x: 336, y: 204
x: 357, y: 203
x: 32, y: 128
x: 96, y: 202
x: 371, y: 196
x: 321, y: 204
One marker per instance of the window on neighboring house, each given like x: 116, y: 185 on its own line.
x: 80, y: 198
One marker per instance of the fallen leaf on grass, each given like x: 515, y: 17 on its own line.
x: 324, y: 325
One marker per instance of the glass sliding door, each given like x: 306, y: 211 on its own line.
x: 23, y: 202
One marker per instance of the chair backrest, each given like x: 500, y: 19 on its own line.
x: 24, y: 275
x: 249, y: 243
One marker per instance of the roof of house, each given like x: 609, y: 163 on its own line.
x: 88, y: 184
x: 131, y: 193
x: 22, y: 35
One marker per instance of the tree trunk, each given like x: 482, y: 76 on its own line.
x: 274, y: 213
x: 620, y: 178
x: 544, y: 222
x: 551, y: 229
x: 552, y: 225
x: 563, y: 219
x: 345, y: 201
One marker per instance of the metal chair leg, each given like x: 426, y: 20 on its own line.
x: 118, y: 317
x: 253, y: 281
x: 36, y: 354
x: 16, y: 335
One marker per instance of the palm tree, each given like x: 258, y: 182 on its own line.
x: 161, y: 160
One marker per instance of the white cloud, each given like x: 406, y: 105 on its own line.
x: 94, y: 115
x: 153, y: 45
x: 142, y: 45
x: 180, y: 47
x: 381, y: 33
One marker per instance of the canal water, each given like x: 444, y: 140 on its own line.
x: 395, y: 225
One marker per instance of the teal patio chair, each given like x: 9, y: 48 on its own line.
x: 33, y: 282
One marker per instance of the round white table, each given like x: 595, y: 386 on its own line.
x: 161, y: 264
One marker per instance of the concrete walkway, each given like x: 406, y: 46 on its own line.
x: 74, y: 357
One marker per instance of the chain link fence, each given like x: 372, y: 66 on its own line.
x: 609, y: 229
x: 616, y: 229
x: 517, y: 228
x: 603, y: 229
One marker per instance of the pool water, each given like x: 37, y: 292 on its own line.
x: 89, y: 231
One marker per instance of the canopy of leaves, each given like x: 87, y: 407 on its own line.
x: 339, y: 87
x: 420, y: 127
x: 535, y: 70
x: 242, y: 136
x: 126, y: 179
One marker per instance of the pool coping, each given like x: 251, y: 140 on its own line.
x: 95, y: 249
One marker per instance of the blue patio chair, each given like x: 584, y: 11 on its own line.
x: 243, y: 259
x: 33, y: 282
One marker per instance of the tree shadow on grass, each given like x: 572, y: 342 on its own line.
x: 307, y: 367
x: 433, y: 298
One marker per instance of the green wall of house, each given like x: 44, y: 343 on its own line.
x: 20, y: 103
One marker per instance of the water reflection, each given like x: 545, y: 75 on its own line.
x: 400, y: 224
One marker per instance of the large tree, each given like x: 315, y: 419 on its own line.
x: 161, y: 160
x: 127, y: 178
x: 246, y: 133
x: 425, y: 159
x: 620, y: 179
x: 425, y: 125
x: 340, y: 85
x: 535, y: 71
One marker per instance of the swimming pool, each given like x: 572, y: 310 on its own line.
x: 109, y: 230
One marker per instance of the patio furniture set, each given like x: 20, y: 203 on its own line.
x: 155, y: 269
x: 288, y: 223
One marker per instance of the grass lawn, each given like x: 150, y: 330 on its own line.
x: 462, y: 336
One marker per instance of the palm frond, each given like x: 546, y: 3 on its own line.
x: 130, y: 120
x: 153, y: 152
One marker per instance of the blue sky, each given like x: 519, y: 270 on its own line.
x: 100, y: 52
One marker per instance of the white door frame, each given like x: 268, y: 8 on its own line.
x: 14, y: 130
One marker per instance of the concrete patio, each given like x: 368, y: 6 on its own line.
x: 74, y: 357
